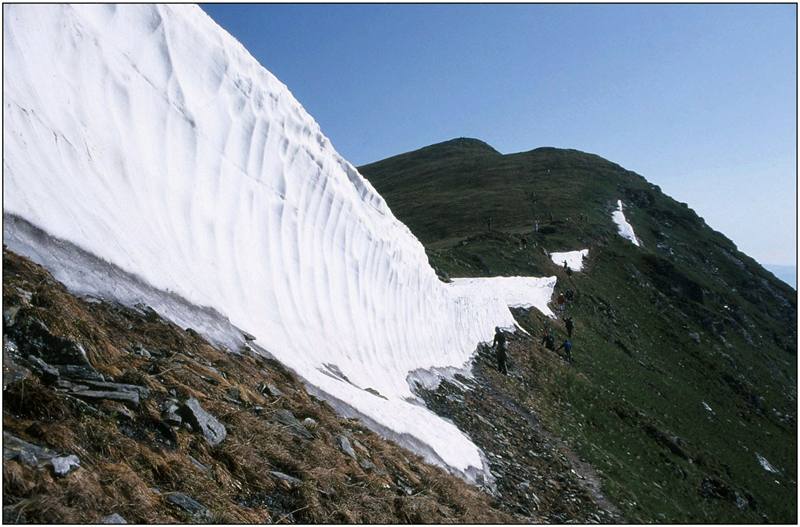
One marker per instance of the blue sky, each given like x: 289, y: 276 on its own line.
x: 699, y: 99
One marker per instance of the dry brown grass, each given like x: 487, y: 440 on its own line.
x: 129, y: 464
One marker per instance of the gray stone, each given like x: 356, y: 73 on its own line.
x: 695, y: 337
x: 196, y: 509
x: 345, y: 446
x: 309, y: 423
x: 32, y: 455
x: 142, y: 352
x: 170, y: 415
x: 79, y: 372
x: 198, y: 465
x: 13, y: 372
x: 247, y: 336
x: 9, y: 316
x: 129, y: 398
x: 366, y: 464
x: 289, y: 480
x: 113, y: 519
x: 270, y: 389
x: 287, y: 418
x: 143, y: 392
x: 213, y: 431
x: 48, y: 373
x: 63, y: 465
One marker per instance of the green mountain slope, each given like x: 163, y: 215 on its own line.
x: 686, y: 352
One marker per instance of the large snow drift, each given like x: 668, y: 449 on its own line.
x: 573, y: 259
x: 149, y: 137
x: 624, y: 228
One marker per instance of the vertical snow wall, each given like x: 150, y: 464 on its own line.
x: 149, y: 137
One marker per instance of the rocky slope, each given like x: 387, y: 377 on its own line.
x: 683, y: 391
x: 114, y: 413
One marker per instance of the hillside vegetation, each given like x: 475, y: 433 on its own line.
x: 683, y: 394
x: 99, y: 424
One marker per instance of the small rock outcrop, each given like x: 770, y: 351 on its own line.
x: 213, y: 431
x: 345, y: 446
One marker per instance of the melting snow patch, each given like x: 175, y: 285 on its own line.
x: 511, y: 291
x: 573, y: 259
x: 625, y: 228
x: 766, y: 464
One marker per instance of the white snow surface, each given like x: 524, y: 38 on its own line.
x: 574, y: 259
x: 625, y: 229
x: 148, y: 136
x: 512, y: 291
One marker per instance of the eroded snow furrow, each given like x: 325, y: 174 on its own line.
x: 148, y: 137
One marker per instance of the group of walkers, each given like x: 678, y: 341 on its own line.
x: 548, y: 339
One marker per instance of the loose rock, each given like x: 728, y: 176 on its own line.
x: 113, y: 519
x: 345, y: 446
x: 196, y: 509
x: 213, y: 431
x: 63, y: 465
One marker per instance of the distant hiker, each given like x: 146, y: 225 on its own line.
x: 536, y: 226
x: 568, y: 269
x: 567, y: 345
x: 569, y: 294
x: 548, y: 340
x: 561, y: 300
x: 501, y: 347
x: 570, y: 326
x: 565, y: 265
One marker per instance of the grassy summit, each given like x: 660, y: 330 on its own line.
x: 686, y: 348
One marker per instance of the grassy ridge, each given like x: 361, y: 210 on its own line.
x: 684, y: 320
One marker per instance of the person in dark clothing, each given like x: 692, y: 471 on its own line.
x: 501, y: 348
x: 548, y: 340
x: 569, y: 294
x: 570, y: 326
x: 567, y: 345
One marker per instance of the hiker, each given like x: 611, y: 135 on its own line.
x: 570, y: 326
x: 548, y: 340
x: 500, y: 345
x: 565, y: 265
x: 569, y: 294
x: 567, y: 345
x: 561, y: 301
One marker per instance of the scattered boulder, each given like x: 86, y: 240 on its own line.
x: 287, y: 418
x: 79, y: 372
x: 193, y: 507
x: 366, y: 464
x: 248, y: 337
x: 288, y: 481
x: 120, y: 387
x: 129, y: 398
x: 13, y: 372
x: 113, y: 519
x: 309, y: 423
x: 269, y: 389
x: 213, y: 431
x: 63, y: 465
x: 695, y: 337
x: 345, y: 446
x: 170, y: 415
x: 32, y: 455
x: 142, y: 352
x: 48, y: 373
